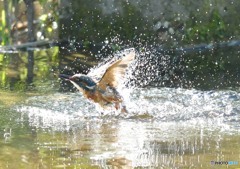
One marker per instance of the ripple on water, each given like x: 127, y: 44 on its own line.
x: 167, y: 105
x: 165, y: 127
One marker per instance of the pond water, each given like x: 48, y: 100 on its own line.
x: 165, y: 127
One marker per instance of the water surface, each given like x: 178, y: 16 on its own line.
x: 166, y: 128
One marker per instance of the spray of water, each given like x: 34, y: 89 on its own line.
x: 60, y: 110
x: 163, y: 126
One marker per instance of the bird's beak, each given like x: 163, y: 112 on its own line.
x: 65, y: 77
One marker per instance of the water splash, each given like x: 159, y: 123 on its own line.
x: 164, y: 127
x: 60, y: 111
x: 154, y: 68
x: 168, y: 104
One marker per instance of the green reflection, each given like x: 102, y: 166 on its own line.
x: 13, y: 69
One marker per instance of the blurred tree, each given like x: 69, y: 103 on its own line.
x: 31, y: 38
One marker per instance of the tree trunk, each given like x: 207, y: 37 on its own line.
x: 6, y: 26
x: 31, y: 38
x: 6, y: 8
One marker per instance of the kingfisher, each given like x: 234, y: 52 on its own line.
x: 100, y: 84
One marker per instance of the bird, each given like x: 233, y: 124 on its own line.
x: 100, y: 85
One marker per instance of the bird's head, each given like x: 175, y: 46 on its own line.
x: 80, y: 81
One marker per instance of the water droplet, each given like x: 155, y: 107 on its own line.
x: 54, y: 25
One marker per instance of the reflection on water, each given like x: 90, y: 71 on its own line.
x: 166, y: 128
x: 14, y: 69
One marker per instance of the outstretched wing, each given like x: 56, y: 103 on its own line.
x: 96, y: 73
x: 116, y: 71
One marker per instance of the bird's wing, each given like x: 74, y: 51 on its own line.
x: 97, y: 72
x: 116, y: 71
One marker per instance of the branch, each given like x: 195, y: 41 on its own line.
x: 27, y: 46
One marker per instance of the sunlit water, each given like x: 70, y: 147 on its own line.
x: 165, y: 128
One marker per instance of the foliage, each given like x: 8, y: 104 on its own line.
x: 211, y: 31
x: 3, y: 76
x: 4, y: 32
x: 85, y: 21
x: 46, y: 61
x: 89, y: 23
x: 48, y: 21
x: 13, y: 75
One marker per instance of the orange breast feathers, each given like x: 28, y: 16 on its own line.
x: 95, y: 96
x: 103, y: 98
